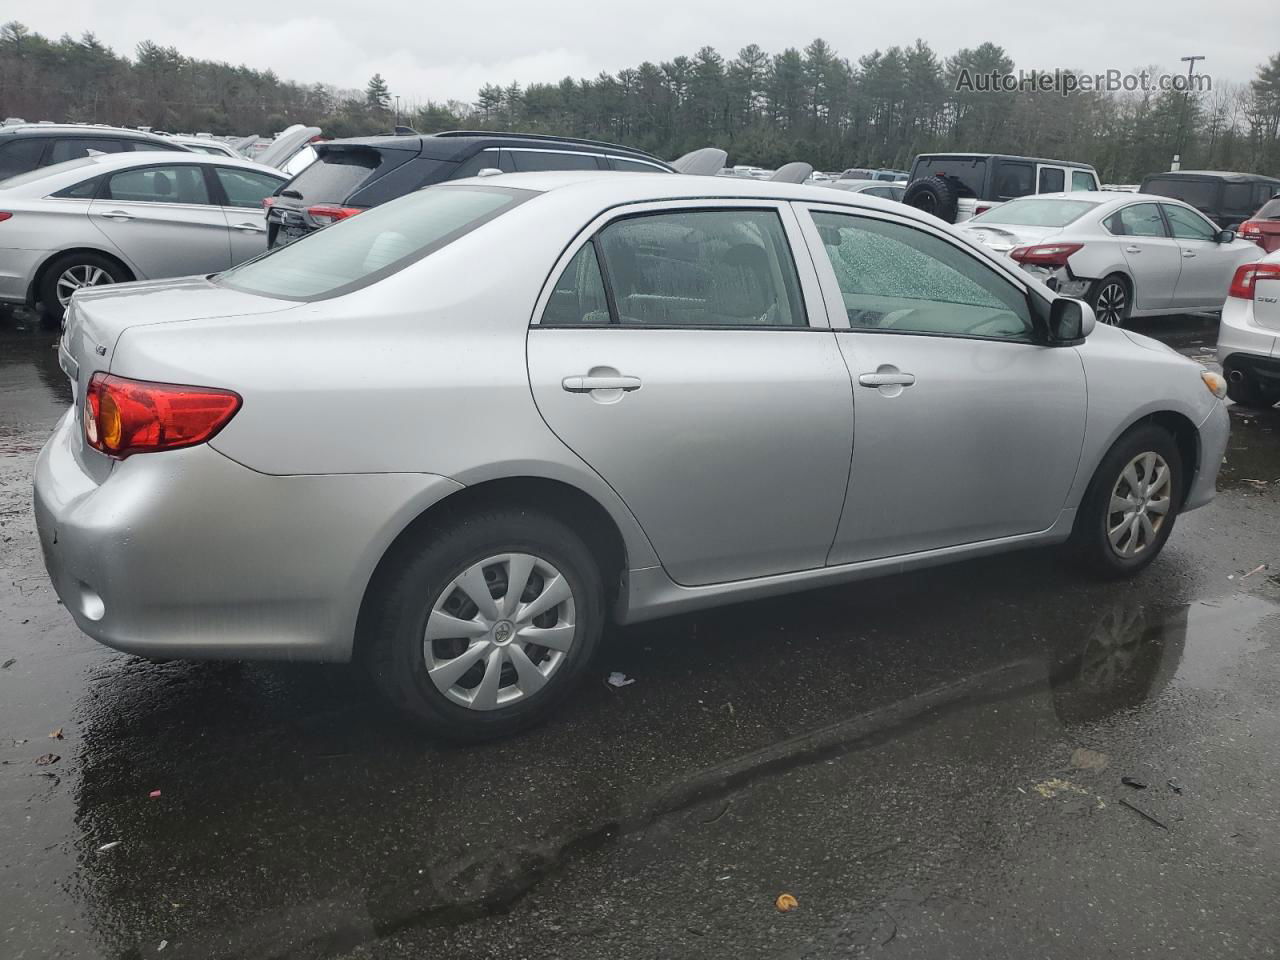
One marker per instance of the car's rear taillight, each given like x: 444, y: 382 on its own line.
x: 1250, y: 229
x: 1243, y: 283
x: 268, y: 202
x: 324, y: 214
x: 1045, y: 254
x: 981, y: 208
x: 4, y: 216
x: 124, y: 417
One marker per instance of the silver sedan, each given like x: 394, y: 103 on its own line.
x: 127, y: 216
x: 454, y: 435
x: 1127, y: 254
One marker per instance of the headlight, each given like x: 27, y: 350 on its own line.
x: 1215, y: 384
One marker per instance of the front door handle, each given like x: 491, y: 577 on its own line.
x: 587, y: 383
x: 1132, y: 249
x: 887, y: 379
x: 249, y: 227
x: 116, y: 215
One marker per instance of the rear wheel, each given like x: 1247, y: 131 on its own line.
x: 485, y: 629
x: 72, y: 272
x: 1110, y: 300
x: 1129, y: 510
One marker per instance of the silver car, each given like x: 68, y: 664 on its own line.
x: 127, y: 216
x: 1127, y: 254
x: 874, y: 188
x: 456, y: 434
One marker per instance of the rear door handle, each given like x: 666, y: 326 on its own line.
x: 887, y: 379
x: 249, y: 227
x: 1188, y: 253
x: 116, y: 215
x: 585, y: 384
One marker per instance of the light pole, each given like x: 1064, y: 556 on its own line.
x: 397, y: 110
x: 1184, y: 117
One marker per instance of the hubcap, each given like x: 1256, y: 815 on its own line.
x: 1140, y: 503
x: 80, y: 275
x: 1112, y: 301
x: 499, y: 631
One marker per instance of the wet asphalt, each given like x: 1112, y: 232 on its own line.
x: 931, y: 765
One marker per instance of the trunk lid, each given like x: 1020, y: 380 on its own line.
x: 1001, y: 238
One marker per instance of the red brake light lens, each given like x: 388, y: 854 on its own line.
x: 1247, y: 276
x: 123, y: 417
x: 324, y: 214
x: 268, y: 202
x: 1046, y: 254
x: 981, y: 208
x: 4, y: 216
x: 1251, y: 228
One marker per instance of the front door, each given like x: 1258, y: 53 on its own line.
x: 163, y: 220
x: 965, y: 428
x: 1207, y: 265
x: 683, y: 353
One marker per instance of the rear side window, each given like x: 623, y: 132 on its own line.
x: 527, y: 161
x: 1237, y: 197
x: 147, y: 146
x: 336, y: 175
x: 72, y: 148
x: 81, y: 191
x: 1052, y: 180
x: 377, y: 243
x: 19, y: 156
x: 1083, y: 180
x: 1199, y: 193
x: 969, y: 173
x: 578, y: 298
x: 177, y: 184
x: 634, y: 166
x: 1013, y: 180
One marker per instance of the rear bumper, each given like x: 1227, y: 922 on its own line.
x: 17, y: 270
x: 188, y: 554
x: 1241, y: 337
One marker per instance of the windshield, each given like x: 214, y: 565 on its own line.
x: 1036, y: 213
x: 365, y: 248
x: 41, y: 172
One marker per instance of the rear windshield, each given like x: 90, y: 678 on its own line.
x: 375, y: 244
x: 1036, y: 213
x: 1198, y: 193
x: 336, y: 175
x: 1269, y: 210
x: 969, y: 172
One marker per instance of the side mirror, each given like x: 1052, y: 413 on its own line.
x: 1070, y: 321
x: 1225, y: 236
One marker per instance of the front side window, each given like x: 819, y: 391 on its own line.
x: 176, y: 184
x: 899, y: 279
x: 246, y: 188
x: 1052, y: 180
x: 19, y: 156
x: 1014, y: 180
x: 1237, y: 198
x: 1083, y: 180
x: 1187, y: 225
x: 72, y: 148
x: 1139, y: 220
x: 379, y: 242
x: 702, y: 268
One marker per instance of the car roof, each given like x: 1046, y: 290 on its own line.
x: 457, y: 144
x: 84, y: 129
x: 1004, y: 156
x: 46, y: 180
x: 1227, y: 175
x: 602, y: 188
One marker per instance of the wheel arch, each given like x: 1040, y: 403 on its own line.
x: 1185, y: 434
x: 37, y: 278
x: 567, y: 503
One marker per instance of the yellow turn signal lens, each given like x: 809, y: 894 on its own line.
x: 1215, y: 383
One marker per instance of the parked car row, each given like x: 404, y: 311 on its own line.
x: 693, y: 391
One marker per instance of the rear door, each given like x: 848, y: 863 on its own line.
x: 682, y: 351
x: 241, y: 193
x: 1207, y: 266
x: 1154, y: 257
x: 164, y: 221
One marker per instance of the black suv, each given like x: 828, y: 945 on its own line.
x: 25, y: 147
x: 1228, y: 199
x: 352, y: 175
x: 957, y: 186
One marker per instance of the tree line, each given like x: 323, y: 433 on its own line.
x: 766, y: 109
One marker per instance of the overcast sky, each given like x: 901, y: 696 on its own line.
x: 440, y: 51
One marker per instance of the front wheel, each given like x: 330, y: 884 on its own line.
x: 1110, y: 300
x: 1129, y: 510
x: 484, y: 629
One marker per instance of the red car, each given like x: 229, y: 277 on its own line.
x: 1263, y: 228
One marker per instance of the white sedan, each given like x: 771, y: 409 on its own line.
x: 1127, y: 254
x: 1249, y: 335
x: 128, y: 216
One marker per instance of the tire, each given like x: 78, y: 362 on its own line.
x: 935, y: 195
x: 1102, y: 296
x: 425, y: 579
x: 89, y: 266
x: 1092, y: 537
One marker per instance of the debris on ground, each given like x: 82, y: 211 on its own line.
x: 1258, y: 569
x: 1134, y: 782
x: 617, y: 679
x: 47, y: 758
x: 1082, y: 758
x: 56, y: 734
x: 1174, y: 785
x: 786, y: 902
x: 109, y: 846
x: 154, y: 795
x: 1142, y: 813
x: 163, y: 944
